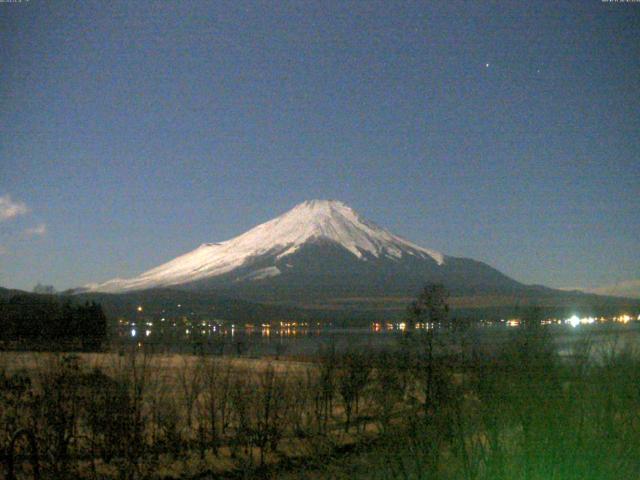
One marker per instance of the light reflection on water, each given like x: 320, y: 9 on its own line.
x: 262, y: 341
x: 601, y: 338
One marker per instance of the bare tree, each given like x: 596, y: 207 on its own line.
x: 190, y: 383
x: 352, y: 378
x: 241, y: 402
x: 269, y: 411
x: 431, y: 311
x: 389, y: 388
x: 135, y: 372
x: 301, y: 393
x: 325, y: 387
x: 214, y: 401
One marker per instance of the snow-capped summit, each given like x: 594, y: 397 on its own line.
x: 332, y: 220
x: 268, y: 245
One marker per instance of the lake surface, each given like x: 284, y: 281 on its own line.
x: 602, y: 339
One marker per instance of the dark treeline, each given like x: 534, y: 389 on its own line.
x: 50, y: 320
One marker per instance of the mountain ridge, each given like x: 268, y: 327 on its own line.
x: 308, y: 222
x: 319, y: 252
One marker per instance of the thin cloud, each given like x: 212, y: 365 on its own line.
x: 628, y: 288
x: 38, y: 230
x: 10, y: 209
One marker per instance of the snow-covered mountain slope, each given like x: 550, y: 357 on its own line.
x: 308, y: 222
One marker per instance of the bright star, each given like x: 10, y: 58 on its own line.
x: 486, y: 65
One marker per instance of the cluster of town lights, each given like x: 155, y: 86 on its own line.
x: 574, y: 320
x: 142, y: 327
x: 291, y: 327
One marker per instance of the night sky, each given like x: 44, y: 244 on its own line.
x: 132, y: 132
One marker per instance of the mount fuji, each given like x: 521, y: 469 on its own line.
x: 318, y: 249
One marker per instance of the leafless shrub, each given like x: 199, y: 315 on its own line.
x: 301, y: 390
x: 353, y: 376
x: 324, y: 387
x: 269, y: 413
x: 134, y: 372
x: 213, y: 404
x: 58, y: 404
x: 389, y: 388
x: 190, y: 382
x: 241, y: 401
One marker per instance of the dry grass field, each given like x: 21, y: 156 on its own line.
x: 434, y: 406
